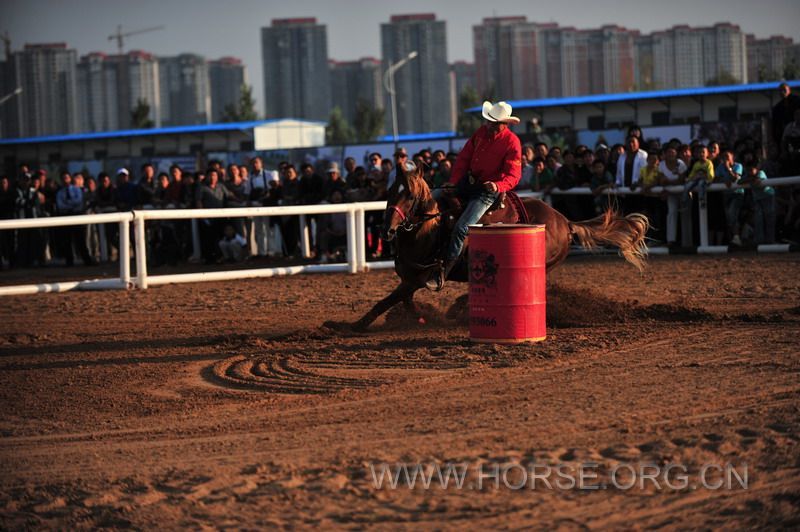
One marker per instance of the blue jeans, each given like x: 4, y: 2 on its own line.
x: 765, y: 219
x: 733, y: 208
x: 700, y: 184
x: 478, y: 204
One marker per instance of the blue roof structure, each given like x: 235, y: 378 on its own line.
x: 411, y: 137
x: 648, y: 95
x: 173, y: 130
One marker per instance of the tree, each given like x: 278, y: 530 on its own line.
x: 338, y: 130
x: 244, y: 110
x: 140, y: 116
x: 791, y: 70
x: 723, y: 78
x: 368, y: 122
x: 467, y: 123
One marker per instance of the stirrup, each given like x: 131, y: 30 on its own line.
x: 436, y: 282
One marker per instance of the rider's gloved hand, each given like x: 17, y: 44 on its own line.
x: 491, y: 186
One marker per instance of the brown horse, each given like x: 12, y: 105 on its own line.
x: 413, y: 220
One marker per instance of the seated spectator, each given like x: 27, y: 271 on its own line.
x: 233, y: 246
x: 701, y: 174
x: 730, y: 173
x: 648, y: 175
x: 764, y: 203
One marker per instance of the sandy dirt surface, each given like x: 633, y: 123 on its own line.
x: 229, y: 405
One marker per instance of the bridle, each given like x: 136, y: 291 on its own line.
x: 405, y: 219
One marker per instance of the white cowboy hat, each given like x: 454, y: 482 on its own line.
x: 499, y: 112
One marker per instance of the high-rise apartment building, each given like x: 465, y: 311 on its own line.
x: 296, y: 78
x: 690, y: 57
x: 422, y: 86
x: 767, y: 58
x: 48, y: 104
x: 111, y: 87
x: 507, y: 58
x: 184, y: 90
x: 352, y: 81
x: 226, y: 77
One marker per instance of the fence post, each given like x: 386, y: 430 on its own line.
x: 361, y: 241
x: 140, y: 239
x: 305, y: 237
x: 703, y: 221
x: 352, y: 245
x: 101, y: 235
x: 196, y: 254
x: 124, y: 254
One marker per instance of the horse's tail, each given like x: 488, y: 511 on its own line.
x: 625, y: 232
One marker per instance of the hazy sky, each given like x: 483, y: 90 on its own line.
x: 217, y: 28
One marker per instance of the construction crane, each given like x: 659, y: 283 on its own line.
x: 119, y: 36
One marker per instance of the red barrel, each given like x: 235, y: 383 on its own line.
x: 507, y: 283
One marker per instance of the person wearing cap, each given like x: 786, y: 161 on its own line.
x: 335, y: 181
x: 489, y: 164
x: 126, y: 192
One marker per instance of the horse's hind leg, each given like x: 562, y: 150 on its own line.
x: 399, y: 294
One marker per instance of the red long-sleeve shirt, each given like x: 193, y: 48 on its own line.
x: 490, y: 158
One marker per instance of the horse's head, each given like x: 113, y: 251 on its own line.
x: 406, y: 198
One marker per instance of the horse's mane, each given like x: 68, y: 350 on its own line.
x: 418, y: 187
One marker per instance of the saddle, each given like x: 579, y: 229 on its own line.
x: 507, y: 209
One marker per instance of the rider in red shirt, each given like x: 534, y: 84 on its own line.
x: 488, y: 164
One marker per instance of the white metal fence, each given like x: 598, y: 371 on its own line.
x: 356, y: 244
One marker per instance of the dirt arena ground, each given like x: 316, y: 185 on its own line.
x: 229, y: 405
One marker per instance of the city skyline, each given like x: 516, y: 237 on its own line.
x: 238, y: 24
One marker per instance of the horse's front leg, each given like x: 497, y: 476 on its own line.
x: 399, y: 294
x: 411, y: 307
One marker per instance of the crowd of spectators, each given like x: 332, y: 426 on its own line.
x: 751, y: 215
x: 739, y: 215
x: 35, y: 194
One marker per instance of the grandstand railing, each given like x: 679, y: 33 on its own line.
x: 356, y: 245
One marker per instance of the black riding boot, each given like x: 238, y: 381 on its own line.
x: 437, y: 280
